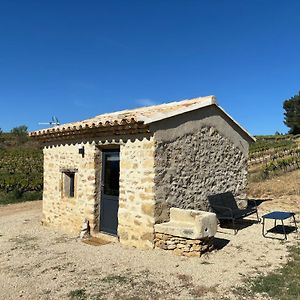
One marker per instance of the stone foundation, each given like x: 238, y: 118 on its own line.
x: 183, y: 246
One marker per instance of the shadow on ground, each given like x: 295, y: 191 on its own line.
x: 220, y: 243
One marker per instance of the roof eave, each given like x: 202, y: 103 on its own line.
x: 210, y: 101
x: 252, y: 138
x: 136, y: 127
x: 73, y: 129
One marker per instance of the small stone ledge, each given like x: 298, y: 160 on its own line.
x: 183, y: 246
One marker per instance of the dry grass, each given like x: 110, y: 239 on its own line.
x: 196, y: 291
x: 24, y: 242
x: 280, y: 284
x: 284, y: 185
x: 280, y: 193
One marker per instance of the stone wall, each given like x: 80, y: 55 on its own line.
x: 68, y: 213
x: 183, y: 246
x: 136, y: 204
x: 136, y: 200
x: 192, y: 166
x: 155, y: 174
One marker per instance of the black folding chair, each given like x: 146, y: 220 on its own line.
x: 225, y: 207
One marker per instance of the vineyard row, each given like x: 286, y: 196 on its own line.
x: 277, y: 167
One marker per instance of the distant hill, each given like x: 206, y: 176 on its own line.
x: 21, y: 169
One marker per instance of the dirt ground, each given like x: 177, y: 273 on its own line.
x: 37, y: 262
x: 279, y: 193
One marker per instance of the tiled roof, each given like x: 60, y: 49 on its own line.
x: 142, y: 115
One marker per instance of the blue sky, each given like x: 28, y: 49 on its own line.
x: 76, y: 59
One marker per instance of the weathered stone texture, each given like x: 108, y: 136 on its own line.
x: 193, y: 166
x: 136, y: 202
x: 58, y: 209
x: 189, y: 223
x: 183, y: 246
x: 154, y: 175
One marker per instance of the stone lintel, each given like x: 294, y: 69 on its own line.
x: 68, y: 170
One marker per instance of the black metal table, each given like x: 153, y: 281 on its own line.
x: 280, y: 216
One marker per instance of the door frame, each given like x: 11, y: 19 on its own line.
x: 105, y: 151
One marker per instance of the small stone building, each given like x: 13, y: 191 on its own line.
x: 123, y: 171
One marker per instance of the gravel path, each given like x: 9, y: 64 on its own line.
x: 37, y: 262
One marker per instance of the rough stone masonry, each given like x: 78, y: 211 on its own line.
x: 154, y: 176
x: 136, y: 199
x: 183, y: 246
x: 193, y: 166
x: 171, y: 155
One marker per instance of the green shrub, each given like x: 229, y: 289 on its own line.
x: 21, y: 170
x: 79, y: 294
x: 21, y: 167
x: 16, y: 197
x: 32, y: 195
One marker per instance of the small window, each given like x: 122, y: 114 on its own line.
x: 69, y: 184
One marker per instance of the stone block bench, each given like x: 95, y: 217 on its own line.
x: 188, y: 233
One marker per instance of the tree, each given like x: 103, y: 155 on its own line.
x: 1, y: 136
x: 20, y: 133
x: 292, y: 114
x: 20, y: 130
